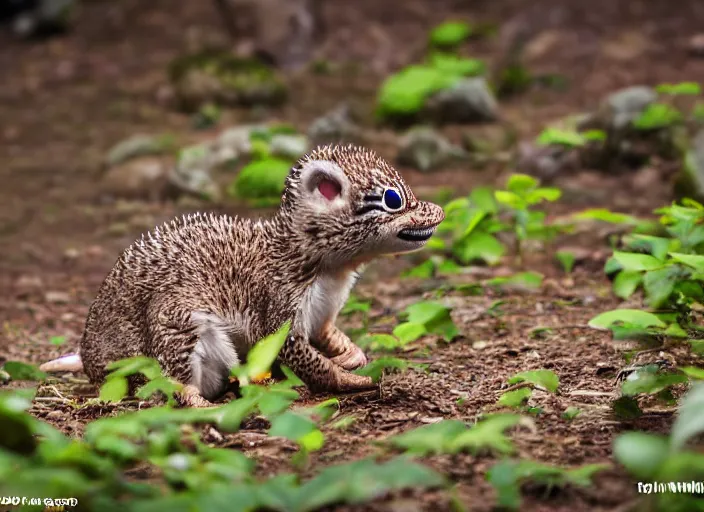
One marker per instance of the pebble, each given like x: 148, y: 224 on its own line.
x: 57, y: 297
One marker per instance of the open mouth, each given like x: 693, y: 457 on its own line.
x: 416, y: 234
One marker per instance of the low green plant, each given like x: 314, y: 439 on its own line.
x: 668, y: 111
x: 426, y: 317
x: 452, y: 436
x: 261, y: 182
x: 553, y: 136
x: 522, y: 193
x: 508, y: 476
x: 545, y: 379
x: 656, y: 460
x: 670, y: 270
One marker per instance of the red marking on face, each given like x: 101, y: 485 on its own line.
x: 329, y: 189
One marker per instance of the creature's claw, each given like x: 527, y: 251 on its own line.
x: 190, y: 396
x: 352, y: 358
x: 348, y: 382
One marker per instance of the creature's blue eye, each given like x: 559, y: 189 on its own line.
x: 392, y: 200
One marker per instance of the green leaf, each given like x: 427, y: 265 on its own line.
x: 429, y: 439
x: 455, y: 65
x: 659, y: 285
x: 543, y: 378
x: 690, y: 420
x: 376, y: 368
x: 405, y: 93
x: 423, y: 271
x: 510, y: 199
x: 521, y: 183
x: 642, y: 454
x: 647, y: 380
x: 146, y: 366
x: 515, y: 398
x: 657, y: 116
x: 543, y: 194
x: 449, y: 34
x: 426, y: 312
x: 262, y: 355
x: 479, y: 246
x: 114, y: 389
x: 355, y: 305
x: 642, y: 319
x: 408, y: 332
x: 693, y: 372
x: 695, y: 261
x: 571, y: 413
x: 566, y: 259
x: 555, y: 136
x: 655, y: 245
x: 637, y: 262
x: 487, y: 435
x: 57, y: 340
x: 23, y: 371
x: 682, y: 88
x: 297, y: 428
x: 626, y: 283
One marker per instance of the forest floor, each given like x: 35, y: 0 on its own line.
x: 67, y: 100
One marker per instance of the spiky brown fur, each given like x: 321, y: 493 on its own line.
x: 198, y: 292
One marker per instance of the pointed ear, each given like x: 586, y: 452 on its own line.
x: 323, y: 181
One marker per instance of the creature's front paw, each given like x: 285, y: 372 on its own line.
x: 352, y: 358
x: 349, y: 382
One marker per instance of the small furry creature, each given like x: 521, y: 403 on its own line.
x: 198, y: 292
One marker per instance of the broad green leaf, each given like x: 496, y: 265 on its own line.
x: 510, y: 199
x: 449, y: 34
x: 147, y: 366
x: 409, y: 331
x: 645, y: 380
x: 57, y: 340
x: 479, y: 246
x: 659, y: 285
x: 261, y: 179
x: 631, y: 261
x: 262, y: 355
x: 487, y: 434
x: 519, y: 183
x: 642, y: 454
x: 693, y: 372
x: 503, y: 476
x: 655, y: 245
x: 543, y: 194
x: 429, y: 439
x: 636, y: 317
x: 543, y: 378
x: 583, y: 475
x: 690, y: 420
x: 376, y: 368
x: 626, y: 283
x: 515, y: 398
x: 295, y: 427
x: 425, y: 312
x: 476, y: 218
x: 555, y: 136
x: 571, y: 412
x: 114, y: 389
x: 483, y: 198
x: 423, y: 271
x: 657, y: 116
x: 23, y: 371
x: 695, y: 261
x: 682, y: 88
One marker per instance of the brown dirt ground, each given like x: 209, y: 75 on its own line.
x: 65, y: 101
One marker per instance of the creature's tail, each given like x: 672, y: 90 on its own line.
x: 69, y: 363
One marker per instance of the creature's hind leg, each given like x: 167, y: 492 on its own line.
x: 339, y: 348
x: 195, y: 349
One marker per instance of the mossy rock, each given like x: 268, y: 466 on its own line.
x: 261, y: 182
x: 221, y: 79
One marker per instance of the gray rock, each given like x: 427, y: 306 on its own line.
x: 192, y: 173
x: 135, y: 146
x: 334, y: 127
x: 138, y: 178
x: 546, y: 162
x: 425, y: 149
x: 623, y: 106
x: 469, y: 100
x: 291, y: 146
x: 234, y: 143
